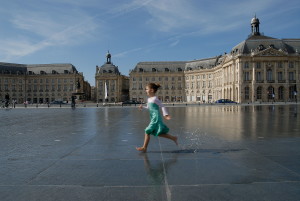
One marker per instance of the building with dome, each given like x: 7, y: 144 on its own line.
x: 110, y: 85
x: 259, y: 69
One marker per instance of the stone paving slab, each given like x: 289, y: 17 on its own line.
x: 225, y: 153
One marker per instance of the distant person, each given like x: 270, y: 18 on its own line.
x: 156, y: 126
x: 6, y: 100
x: 73, y: 103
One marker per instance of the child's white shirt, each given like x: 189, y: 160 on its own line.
x: 155, y: 100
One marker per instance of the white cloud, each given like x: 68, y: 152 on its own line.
x: 38, y: 30
x: 203, y: 16
x: 174, y: 43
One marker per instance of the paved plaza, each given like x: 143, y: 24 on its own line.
x: 225, y: 152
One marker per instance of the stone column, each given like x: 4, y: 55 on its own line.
x: 253, y: 83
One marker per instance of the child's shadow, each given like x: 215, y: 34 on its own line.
x: 157, y: 169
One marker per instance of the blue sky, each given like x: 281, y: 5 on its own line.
x: 82, y: 31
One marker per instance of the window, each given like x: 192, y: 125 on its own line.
x: 269, y: 75
x: 280, y: 76
x: 291, y: 76
x: 247, y: 93
x: 167, y: 70
x: 154, y: 70
x: 270, y: 92
x: 258, y: 76
x: 246, y: 76
x: 291, y: 64
x: 258, y: 92
x: 246, y: 65
x: 280, y: 93
x: 258, y: 65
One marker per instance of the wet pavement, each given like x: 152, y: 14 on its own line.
x: 224, y: 153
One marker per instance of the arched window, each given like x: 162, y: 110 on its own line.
x: 280, y: 93
x: 154, y: 70
x: 271, y: 92
x: 259, y: 93
x: 247, y: 93
x: 292, y: 91
x: 179, y: 69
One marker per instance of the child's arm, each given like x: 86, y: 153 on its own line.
x: 163, y: 108
x: 141, y: 107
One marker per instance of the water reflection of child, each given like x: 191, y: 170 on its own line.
x: 156, y: 126
x: 156, y: 171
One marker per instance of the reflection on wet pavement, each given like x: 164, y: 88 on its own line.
x: 236, y: 152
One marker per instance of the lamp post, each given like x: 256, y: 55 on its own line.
x: 295, y: 92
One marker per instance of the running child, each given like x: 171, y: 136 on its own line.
x: 156, y: 126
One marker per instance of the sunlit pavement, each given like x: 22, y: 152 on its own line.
x: 229, y: 152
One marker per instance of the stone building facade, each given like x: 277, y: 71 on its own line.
x: 261, y: 68
x: 41, y: 83
x: 110, y: 85
x: 168, y: 74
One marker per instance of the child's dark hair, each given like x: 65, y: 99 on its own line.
x: 154, y: 86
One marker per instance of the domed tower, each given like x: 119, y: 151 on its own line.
x: 108, y: 58
x: 255, y: 26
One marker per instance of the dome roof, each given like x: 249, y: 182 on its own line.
x: 255, y: 20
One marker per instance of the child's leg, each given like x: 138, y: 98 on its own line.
x: 171, y: 137
x: 146, y: 142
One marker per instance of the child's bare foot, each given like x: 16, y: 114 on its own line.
x: 175, y: 140
x: 141, y: 149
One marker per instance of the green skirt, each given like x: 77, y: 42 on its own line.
x: 156, y: 126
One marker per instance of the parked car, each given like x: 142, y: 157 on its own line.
x: 130, y: 102
x: 57, y: 102
x: 225, y: 101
